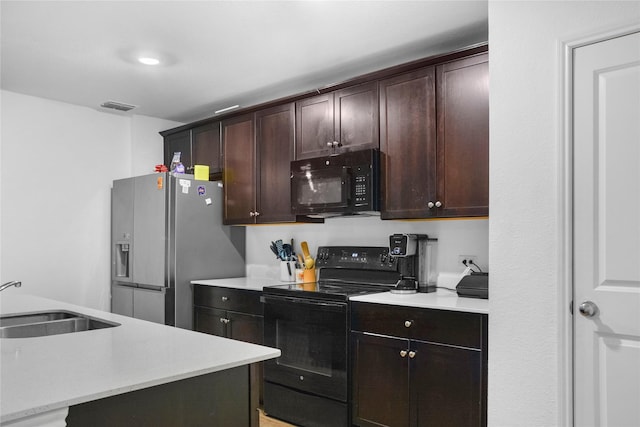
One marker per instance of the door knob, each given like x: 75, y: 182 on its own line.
x: 588, y: 309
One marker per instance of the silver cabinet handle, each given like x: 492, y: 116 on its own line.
x: 412, y: 354
x: 588, y: 309
x: 403, y: 353
x: 223, y: 320
x: 430, y: 205
x: 256, y: 213
x: 438, y: 204
x: 252, y: 213
x: 225, y: 298
x: 329, y: 144
x: 407, y: 323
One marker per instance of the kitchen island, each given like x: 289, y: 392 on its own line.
x: 137, y: 362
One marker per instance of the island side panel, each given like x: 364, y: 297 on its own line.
x: 216, y: 399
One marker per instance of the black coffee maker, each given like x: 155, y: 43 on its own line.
x: 414, y: 260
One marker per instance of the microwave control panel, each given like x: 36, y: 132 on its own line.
x: 361, y: 185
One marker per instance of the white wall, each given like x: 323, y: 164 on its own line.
x: 455, y: 237
x: 525, y: 352
x: 57, y: 164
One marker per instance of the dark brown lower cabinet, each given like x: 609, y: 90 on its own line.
x: 380, y: 381
x: 235, y: 314
x: 216, y: 399
x: 410, y: 379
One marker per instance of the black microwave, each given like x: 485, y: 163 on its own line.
x: 341, y: 184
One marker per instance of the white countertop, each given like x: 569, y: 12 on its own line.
x: 42, y: 374
x: 250, y: 283
x: 442, y: 300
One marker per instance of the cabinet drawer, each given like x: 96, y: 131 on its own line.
x: 241, y: 300
x: 439, y: 326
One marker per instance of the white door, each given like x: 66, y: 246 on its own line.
x: 606, y: 217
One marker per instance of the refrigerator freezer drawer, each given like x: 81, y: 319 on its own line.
x: 149, y: 305
x: 141, y: 303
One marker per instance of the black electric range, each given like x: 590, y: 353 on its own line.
x: 343, y: 272
x: 309, y: 322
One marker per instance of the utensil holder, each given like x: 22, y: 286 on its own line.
x: 309, y: 275
x: 287, y: 271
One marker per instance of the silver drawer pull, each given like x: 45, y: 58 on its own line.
x: 407, y: 323
x: 225, y: 298
x: 412, y: 354
x: 403, y: 353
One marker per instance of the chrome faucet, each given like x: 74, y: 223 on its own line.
x: 15, y: 283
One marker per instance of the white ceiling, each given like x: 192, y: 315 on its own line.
x: 217, y: 53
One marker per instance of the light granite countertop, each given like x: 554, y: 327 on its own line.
x: 442, y: 300
x: 249, y: 283
x: 44, y: 374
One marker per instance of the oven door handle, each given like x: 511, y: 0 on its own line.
x: 281, y: 299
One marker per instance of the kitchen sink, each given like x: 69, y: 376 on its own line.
x: 49, y: 323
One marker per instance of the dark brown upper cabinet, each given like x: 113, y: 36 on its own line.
x: 199, y: 145
x: 206, y: 148
x: 408, y: 144
x: 434, y: 139
x: 178, y: 142
x: 338, y: 121
x: 463, y: 137
x: 275, y: 136
x: 258, y: 149
x: 239, y: 170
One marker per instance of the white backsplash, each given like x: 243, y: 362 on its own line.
x: 455, y: 237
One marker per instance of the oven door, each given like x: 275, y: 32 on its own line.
x: 321, y: 190
x: 312, y: 338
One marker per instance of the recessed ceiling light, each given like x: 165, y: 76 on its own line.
x: 149, y: 61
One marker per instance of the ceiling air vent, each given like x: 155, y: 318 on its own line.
x: 120, y: 106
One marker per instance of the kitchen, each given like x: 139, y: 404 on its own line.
x: 72, y: 187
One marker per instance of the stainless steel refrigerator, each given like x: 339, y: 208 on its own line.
x: 165, y: 232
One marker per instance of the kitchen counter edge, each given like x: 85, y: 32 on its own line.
x: 43, y: 374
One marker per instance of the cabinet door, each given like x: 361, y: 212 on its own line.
x: 314, y: 126
x: 245, y: 327
x: 207, y: 148
x: 209, y: 320
x: 357, y: 117
x: 239, y: 168
x: 463, y: 137
x: 408, y: 144
x: 380, y: 381
x: 446, y: 386
x: 180, y: 141
x: 274, y: 142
